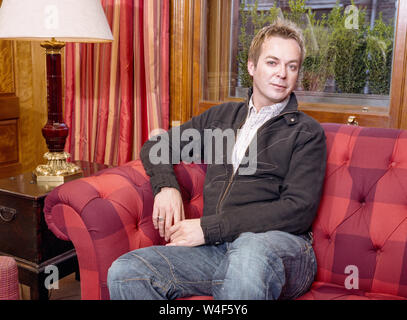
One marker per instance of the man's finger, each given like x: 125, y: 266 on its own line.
x: 182, y: 212
x: 175, y: 227
x: 181, y: 242
x: 155, y: 215
x: 174, y: 232
x: 161, y: 223
x: 168, y: 223
x: 177, y: 215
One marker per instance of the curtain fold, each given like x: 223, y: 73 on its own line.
x: 117, y: 93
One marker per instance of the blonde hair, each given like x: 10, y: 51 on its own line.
x: 280, y: 28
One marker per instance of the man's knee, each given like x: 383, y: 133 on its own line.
x: 253, y: 272
x: 128, y: 266
x: 129, y: 277
x: 117, y: 271
x: 251, y: 255
x: 250, y: 244
x: 256, y: 258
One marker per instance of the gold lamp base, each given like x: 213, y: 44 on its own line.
x: 57, y: 170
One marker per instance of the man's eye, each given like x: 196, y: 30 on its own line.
x: 293, y: 68
x: 271, y: 63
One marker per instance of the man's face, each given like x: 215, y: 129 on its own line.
x: 276, y: 73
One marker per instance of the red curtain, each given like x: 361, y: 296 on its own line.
x: 117, y: 93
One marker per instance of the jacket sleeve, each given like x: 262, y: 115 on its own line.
x: 163, y: 150
x: 297, y: 206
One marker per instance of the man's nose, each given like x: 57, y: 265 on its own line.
x: 282, y: 73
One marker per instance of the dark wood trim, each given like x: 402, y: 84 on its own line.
x: 339, y: 116
x: 398, y: 87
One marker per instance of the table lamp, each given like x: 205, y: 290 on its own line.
x: 54, y: 22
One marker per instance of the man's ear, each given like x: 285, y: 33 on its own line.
x: 251, y: 67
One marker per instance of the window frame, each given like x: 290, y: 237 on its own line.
x: 188, y: 37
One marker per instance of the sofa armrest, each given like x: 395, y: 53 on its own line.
x: 109, y: 214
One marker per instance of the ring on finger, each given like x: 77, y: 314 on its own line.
x: 160, y: 219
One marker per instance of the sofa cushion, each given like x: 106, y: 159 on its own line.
x: 330, y: 291
x: 361, y: 226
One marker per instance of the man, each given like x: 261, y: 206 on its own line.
x: 254, y: 239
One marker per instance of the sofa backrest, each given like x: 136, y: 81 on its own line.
x: 361, y: 226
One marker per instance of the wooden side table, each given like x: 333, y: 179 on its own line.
x: 25, y: 236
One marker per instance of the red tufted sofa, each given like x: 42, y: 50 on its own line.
x: 361, y: 223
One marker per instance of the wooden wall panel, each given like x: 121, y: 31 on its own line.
x: 9, y: 142
x: 30, y: 89
x: 22, y: 106
x: 9, y: 111
x: 181, y: 59
x: 6, y: 68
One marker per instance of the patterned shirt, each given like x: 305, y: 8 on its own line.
x: 255, y: 119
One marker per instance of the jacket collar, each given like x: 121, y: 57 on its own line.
x: 290, y: 112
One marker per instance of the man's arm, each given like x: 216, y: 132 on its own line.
x: 158, y: 155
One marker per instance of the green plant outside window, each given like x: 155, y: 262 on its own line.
x: 345, y: 53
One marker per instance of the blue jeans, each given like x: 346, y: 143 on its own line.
x: 270, y: 265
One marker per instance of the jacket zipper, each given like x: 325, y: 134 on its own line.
x: 232, y: 176
x: 226, y: 190
x: 234, y: 172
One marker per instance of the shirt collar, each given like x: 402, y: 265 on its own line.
x: 277, y: 106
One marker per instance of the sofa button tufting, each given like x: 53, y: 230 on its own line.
x: 377, y: 249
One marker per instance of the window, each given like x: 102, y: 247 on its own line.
x: 205, y: 52
x: 349, y: 47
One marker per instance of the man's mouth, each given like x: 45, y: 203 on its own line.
x: 278, y: 86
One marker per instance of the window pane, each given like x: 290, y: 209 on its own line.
x: 349, y: 47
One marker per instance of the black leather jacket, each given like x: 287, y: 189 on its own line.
x: 282, y: 193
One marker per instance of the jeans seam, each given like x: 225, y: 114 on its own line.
x: 306, y: 284
x: 131, y: 279
x: 198, y: 281
x: 169, y: 265
x: 147, y: 264
x: 154, y: 283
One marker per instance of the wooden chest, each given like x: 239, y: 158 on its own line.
x: 25, y: 236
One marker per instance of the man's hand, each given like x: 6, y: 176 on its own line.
x: 168, y: 210
x: 187, y: 233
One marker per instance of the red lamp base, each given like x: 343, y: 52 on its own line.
x: 55, y: 130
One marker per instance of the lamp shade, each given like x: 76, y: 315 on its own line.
x: 64, y: 20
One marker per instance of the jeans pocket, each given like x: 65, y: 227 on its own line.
x: 302, y: 273
x: 310, y: 269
